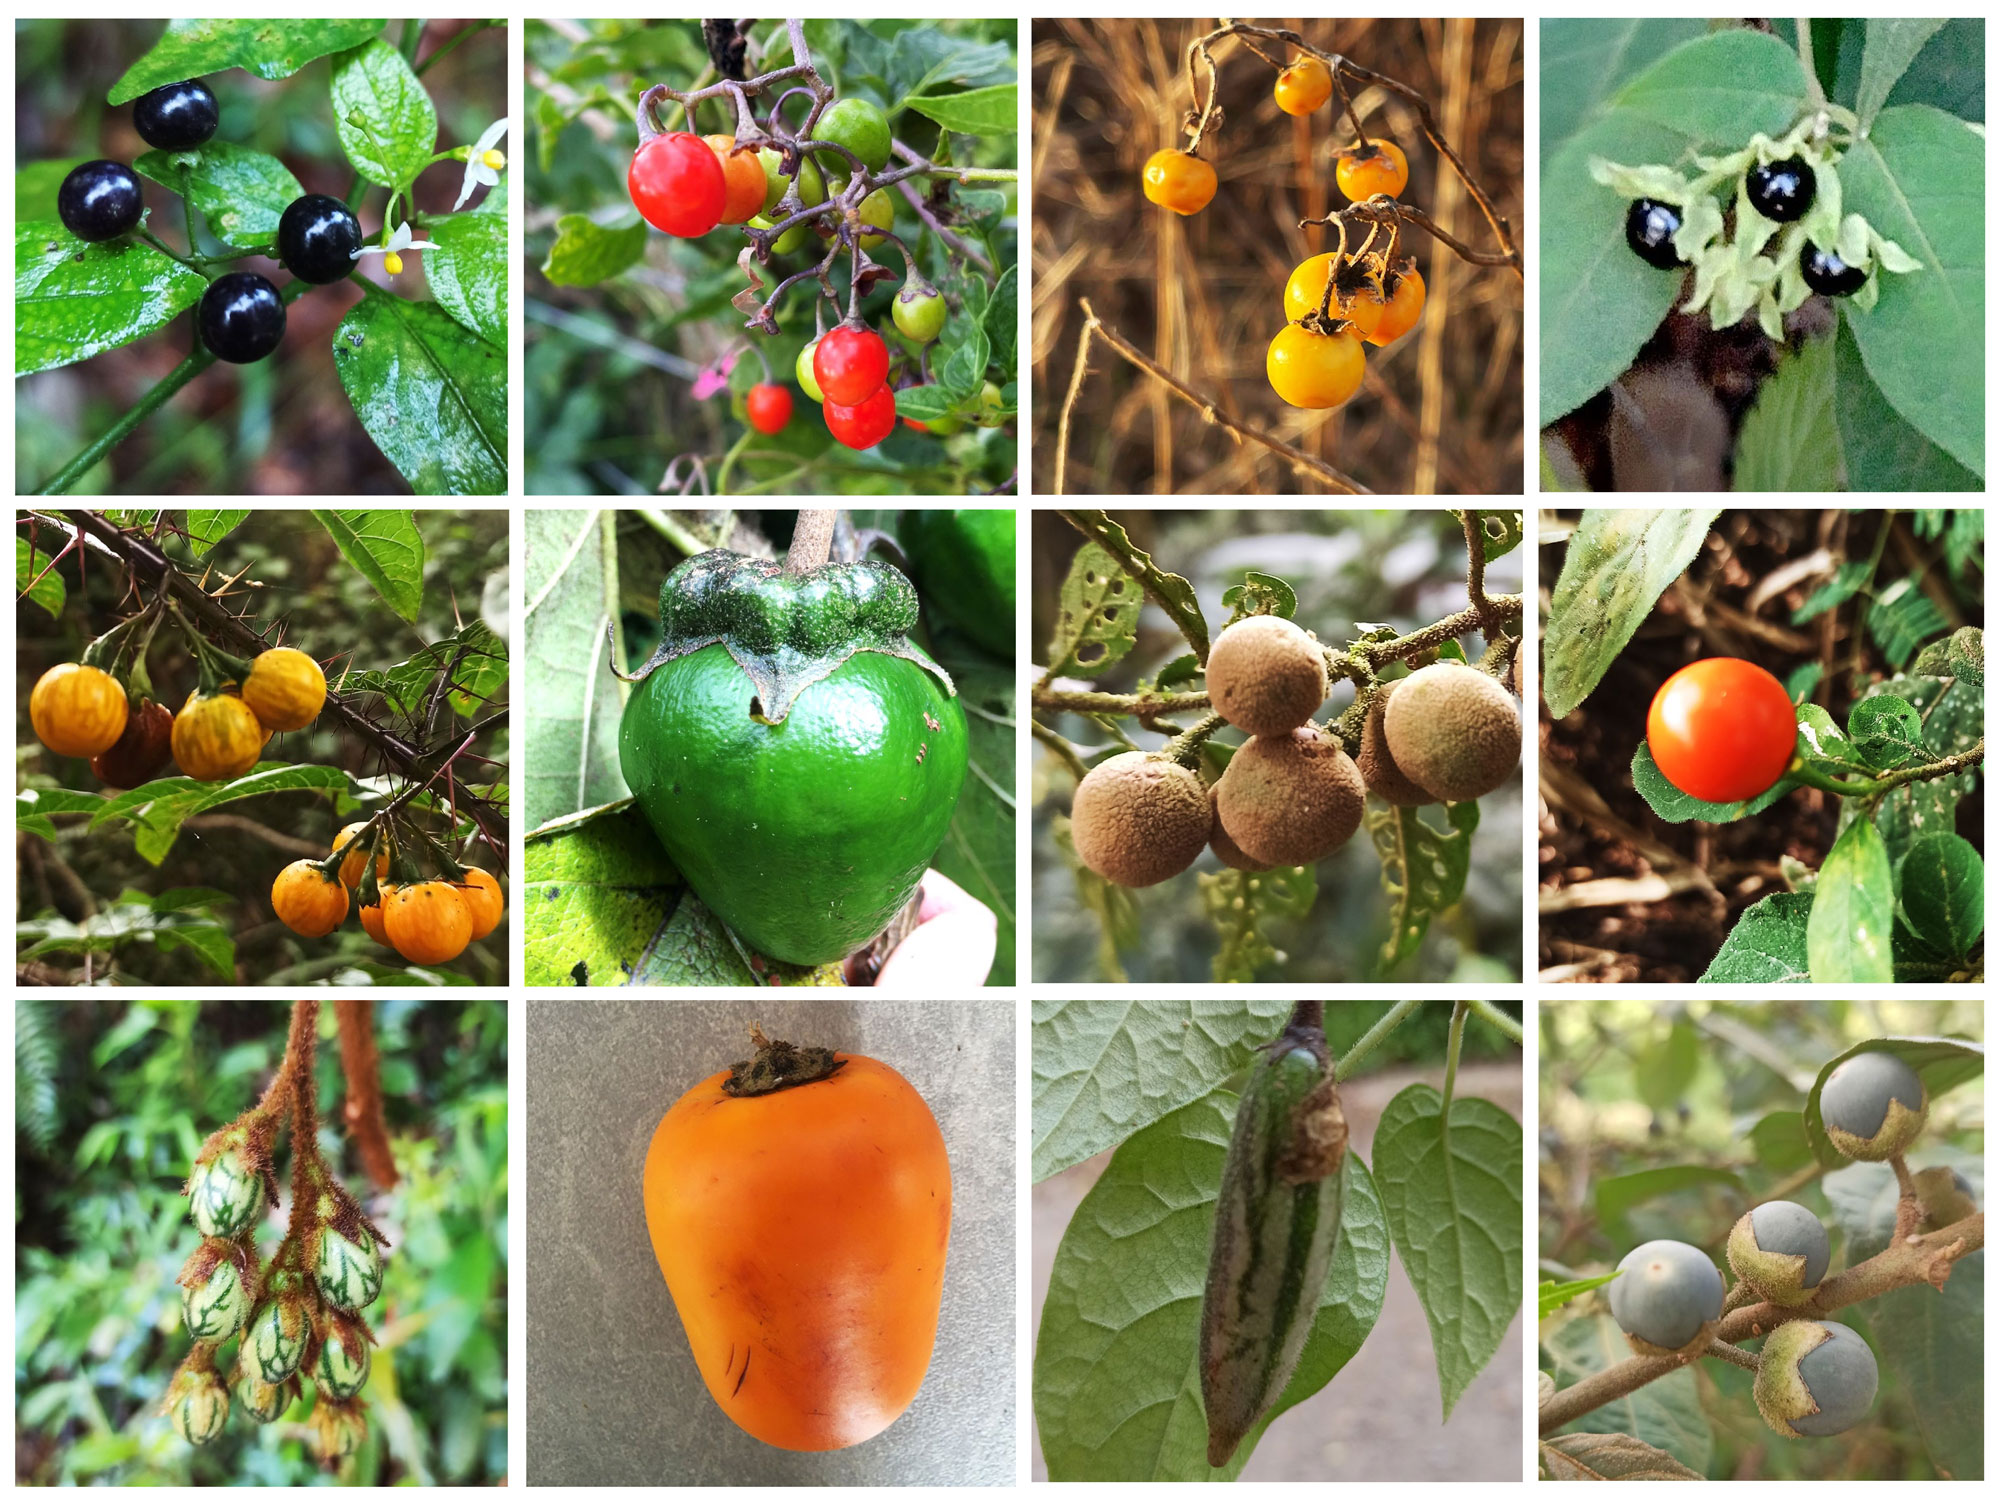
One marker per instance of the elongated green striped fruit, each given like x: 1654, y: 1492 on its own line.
x: 1276, y: 1224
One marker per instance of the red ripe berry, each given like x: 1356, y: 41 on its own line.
x: 769, y: 407
x: 864, y: 424
x: 850, y: 365
x: 677, y: 184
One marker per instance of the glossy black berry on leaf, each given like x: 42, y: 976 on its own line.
x: 1650, y: 229
x: 100, y: 200
x: 242, y: 317
x: 176, y: 116
x: 1829, y: 275
x: 317, y: 238
x: 1781, y: 190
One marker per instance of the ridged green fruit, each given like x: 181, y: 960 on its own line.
x: 1277, y: 1223
x: 263, y: 1401
x: 1454, y: 731
x: 275, y: 1344
x: 199, y: 1407
x: 798, y: 757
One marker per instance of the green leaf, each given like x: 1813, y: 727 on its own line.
x: 1666, y: 1414
x: 978, y: 848
x: 1836, y: 591
x: 1240, y: 903
x: 386, y: 548
x: 570, y: 560
x: 1944, y: 892
x: 1880, y: 449
x: 1672, y: 805
x: 1499, y: 531
x: 585, y: 252
x: 1787, y: 442
x: 1891, y: 46
x: 1116, y: 1391
x: 1779, y: 1139
x: 1594, y: 58
x: 73, y: 300
x: 159, y: 808
x: 1097, y: 619
x: 467, y: 272
x: 989, y: 111
x: 1666, y: 1069
x: 1173, y: 593
x: 605, y: 906
x: 1719, y: 90
x: 35, y: 579
x: 1550, y: 1295
x: 1902, y: 618
x: 431, y: 394
x: 267, y: 49
x: 1848, y: 933
x: 207, y: 527
x: 1105, y: 1070
x: 384, y: 116
x: 1453, y: 1204
x: 1767, y: 945
x: 240, y: 192
x: 1423, y: 870
x: 1917, y: 178
x: 1886, y: 732
x: 1617, y: 565
x: 1615, y: 1197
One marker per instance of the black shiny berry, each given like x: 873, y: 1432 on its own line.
x: 1781, y: 190
x: 317, y: 238
x: 100, y: 200
x: 1649, y: 230
x: 242, y: 317
x: 1829, y: 275
x: 176, y: 116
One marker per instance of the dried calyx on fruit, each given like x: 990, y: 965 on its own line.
x: 1873, y: 1106
x: 1138, y: 819
x: 1454, y: 731
x: 1814, y: 1379
x: 1780, y: 1250
x: 1292, y: 798
x: 1666, y: 1295
x: 1266, y: 675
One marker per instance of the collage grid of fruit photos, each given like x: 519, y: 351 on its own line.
x: 1237, y: 872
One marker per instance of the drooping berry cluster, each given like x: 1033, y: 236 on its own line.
x: 298, y: 1317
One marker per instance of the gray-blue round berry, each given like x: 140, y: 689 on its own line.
x: 1665, y: 1291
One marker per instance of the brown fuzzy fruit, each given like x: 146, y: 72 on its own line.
x: 1265, y: 675
x: 1454, y: 731
x: 1290, y: 799
x: 1137, y: 820
x: 1225, y: 847
x: 1378, y: 767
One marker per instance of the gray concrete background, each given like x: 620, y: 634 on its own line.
x: 613, y: 1395
x: 1380, y: 1417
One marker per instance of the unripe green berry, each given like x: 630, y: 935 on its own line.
x: 1872, y: 1106
x: 225, y: 1194
x: 919, y: 312
x: 198, y: 1406
x: 808, y: 381
x: 1780, y: 1249
x: 1814, y: 1379
x: 338, y: 1374
x: 1666, y: 1293
x: 348, y: 1274
x: 216, y: 1307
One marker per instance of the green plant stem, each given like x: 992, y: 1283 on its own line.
x: 1731, y: 1354
x: 1456, y: 1039
x: 118, y: 431
x: 1807, y: 774
x: 1398, y: 1013
x: 1059, y: 747
x: 1497, y: 1018
x: 1133, y: 705
x: 1185, y: 748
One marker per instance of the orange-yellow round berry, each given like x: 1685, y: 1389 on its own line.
x: 1303, y: 87
x: 1178, y: 180
x: 1406, y: 305
x: 1315, y: 370
x: 1380, y: 167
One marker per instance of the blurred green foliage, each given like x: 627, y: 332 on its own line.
x: 112, y: 1101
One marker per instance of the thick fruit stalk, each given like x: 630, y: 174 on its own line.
x: 1277, y: 1222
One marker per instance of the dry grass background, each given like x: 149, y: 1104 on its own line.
x: 1440, y: 411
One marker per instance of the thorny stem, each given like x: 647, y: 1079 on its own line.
x: 1298, y: 458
